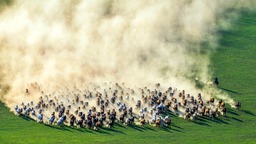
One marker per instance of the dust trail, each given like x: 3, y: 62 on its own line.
x: 64, y: 43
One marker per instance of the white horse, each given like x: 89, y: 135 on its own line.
x: 19, y: 111
x: 40, y: 118
x: 61, y: 120
x: 27, y: 111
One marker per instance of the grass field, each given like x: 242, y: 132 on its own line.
x: 234, y: 63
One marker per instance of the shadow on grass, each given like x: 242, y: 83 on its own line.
x: 173, y: 125
x: 248, y: 112
x: 112, y: 130
x: 149, y: 128
x: 120, y: 125
x: 237, y: 119
x: 177, y: 130
x: 84, y: 130
x: 201, y: 121
x: 26, y: 118
x: 101, y: 131
x: 167, y: 112
x: 216, y: 120
x: 167, y: 129
x: 219, y: 120
x: 62, y: 127
x: 227, y: 90
x: 138, y: 128
x: 230, y: 111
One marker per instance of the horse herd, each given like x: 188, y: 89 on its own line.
x: 98, y: 106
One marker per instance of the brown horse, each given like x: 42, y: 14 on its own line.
x: 142, y: 121
x: 207, y: 111
x: 174, y: 100
x: 222, y: 104
x: 211, y: 100
x: 184, y: 102
x: 201, y: 102
x: 202, y: 112
x: 168, y: 104
x: 175, y: 107
x: 121, y: 118
x: 158, y: 122
x: 223, y: 111
x: 97, y: 126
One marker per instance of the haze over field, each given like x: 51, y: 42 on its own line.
x: 65, y: 43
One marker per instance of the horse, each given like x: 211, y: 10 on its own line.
x: 158, y: 122
x: 142, y: 121
x: 40, y: 118
x: 113, y: 99
x: 222, y: 104
x: 80, y: 123
x: 16, y: 107
x: 202, y: 112
x: 121, y: 118
x: 201, y: 102
x: 130, y: 120
x: 217, y: 112
x: 27, y: 111
x: 97, y: 125
x: 193, y: 117
x: 238, y: 105
x: 51, y: 120
x: 212, y: 114
x: 72, y: 120
x: 111, y: 123
x: 224, y: 111
x: 19, y: 111
x: 216, y: 81
x: 175, y: 107
x: 33, y: 112
x: 207, y: 111
x: 101, y: 121
x: 93, y: 109
x: 113, y: 114
x: 199, y: 96
x: 167, y: 121
x: 130, y: 111
x: 61, y: 120
x: 67, y: 112
x: 184, y: 102
x: 192, y: 99
x: 187, y: 116
x: 138, y: 104
x: 168, y: 104
x: 145, y: 99
x: 106, y: 103
x: 174, y: 100
x: 98, y: 101
x: 211, y: 100
x: 60, y: 114
x: 103, y: 116
x: 89, y: 122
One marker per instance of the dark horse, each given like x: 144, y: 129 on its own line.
x: 216, y: 81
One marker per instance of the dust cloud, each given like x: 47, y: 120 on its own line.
x: 65, y: 43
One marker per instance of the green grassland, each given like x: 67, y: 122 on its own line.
x: 234, y: 63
